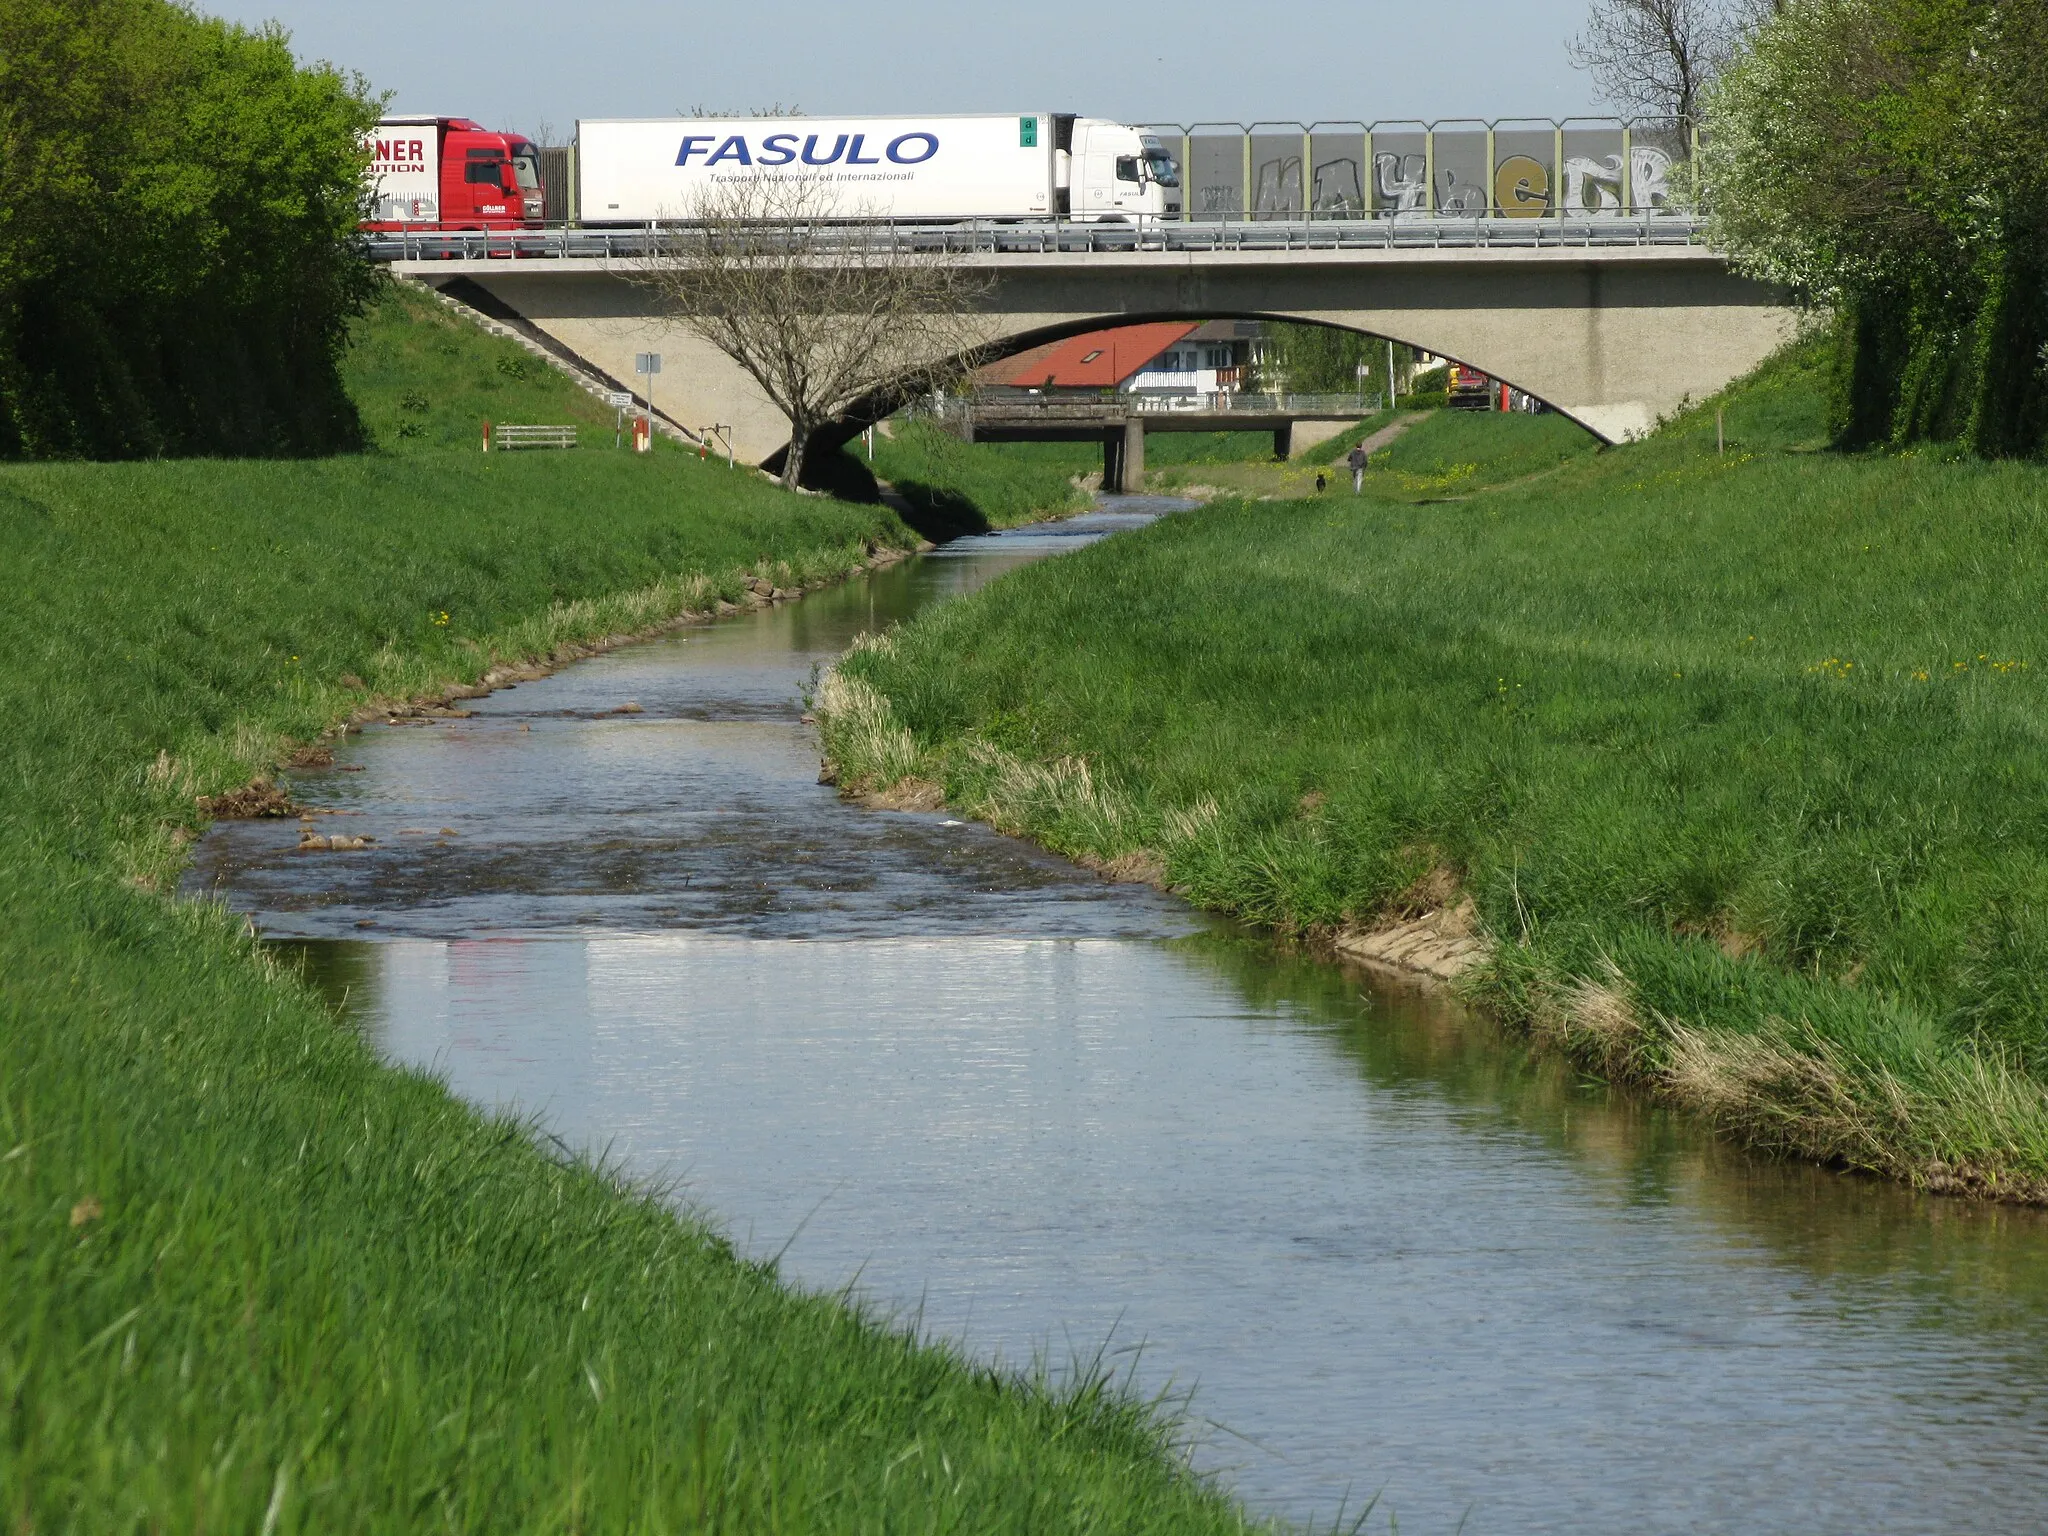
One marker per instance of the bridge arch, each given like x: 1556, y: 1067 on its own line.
x: 1612, y: 336
x: 886, y: 402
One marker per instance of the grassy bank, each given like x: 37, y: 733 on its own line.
x: 1737, y: 757
x: 970, y: 487
x: 1440, y: 453
x: 255, y: 1280
x: 959, y: 487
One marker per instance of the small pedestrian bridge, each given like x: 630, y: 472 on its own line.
x: 1122, y: 422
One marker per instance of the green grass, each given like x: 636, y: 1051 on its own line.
x: 1450, y: 453
x: 1740, y: 757
x: 253, y: 1279
x: 425, y: 379
x: 1333, y: 449
x: 1165, y: 450
x: 1442, y: 455
x: 957, y: 487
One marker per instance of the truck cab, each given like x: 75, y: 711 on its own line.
x: 1110, y: 172
x: 449, y: 173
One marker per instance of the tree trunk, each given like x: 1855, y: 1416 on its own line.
x: 793, y: 461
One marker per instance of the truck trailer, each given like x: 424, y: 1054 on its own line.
x: 450, y: 173
x: 1033, y: 165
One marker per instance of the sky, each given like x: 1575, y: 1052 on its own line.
x: 529, y: 64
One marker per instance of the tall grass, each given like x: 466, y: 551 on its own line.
x: 254, y: 1280
x: 1738, y: 755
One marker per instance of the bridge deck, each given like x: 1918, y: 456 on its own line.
x: 1407, y: 232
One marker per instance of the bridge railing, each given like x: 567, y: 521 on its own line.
x: 1056, y: 409
x: 989, y: 237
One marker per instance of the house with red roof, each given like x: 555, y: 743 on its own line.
x: 1167, y: 357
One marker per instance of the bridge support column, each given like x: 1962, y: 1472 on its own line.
x: 1112, y: 463
x: 1283, y: 441
x: 1131, y: 479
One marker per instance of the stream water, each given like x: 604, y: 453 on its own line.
x: 1384, y: 1250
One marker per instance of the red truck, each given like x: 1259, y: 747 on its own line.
x: 451, y: 173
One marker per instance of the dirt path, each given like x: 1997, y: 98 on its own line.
x: 1392, y: 430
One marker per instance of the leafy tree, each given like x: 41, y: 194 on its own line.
x: 177, y: 269
x: 1885, y: 160
x: 1321, y: 359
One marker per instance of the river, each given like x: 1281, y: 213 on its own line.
x: 1377, y: 1248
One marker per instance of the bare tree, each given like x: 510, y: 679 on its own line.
x: 1657, y: 57
x: 823, y: 311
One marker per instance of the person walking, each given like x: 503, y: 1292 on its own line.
x: 1356, y: 459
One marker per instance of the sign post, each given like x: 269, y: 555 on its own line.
x: 621, y: 401
x: 648, y: 364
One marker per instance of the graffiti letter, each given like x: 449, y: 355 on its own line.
x: 1400, y: 179
x: 1521, y: 187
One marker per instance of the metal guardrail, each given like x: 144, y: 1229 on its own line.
x: 1397, y: 231
x: 505, y: 439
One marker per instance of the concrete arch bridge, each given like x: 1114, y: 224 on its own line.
x: 1613, y: 332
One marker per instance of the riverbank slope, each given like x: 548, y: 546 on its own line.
x: 1725, y: 767
x: 257, y: 1280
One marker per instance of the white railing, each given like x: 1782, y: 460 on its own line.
x: 1225, y: 402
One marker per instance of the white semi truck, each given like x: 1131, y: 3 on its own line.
x: 1035, y: 165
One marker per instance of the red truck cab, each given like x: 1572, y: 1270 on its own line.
x: 449, y: 173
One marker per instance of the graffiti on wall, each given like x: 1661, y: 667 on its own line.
x: 1521, y: 187
x: 1401, y: 182
x: 1594, y: 186
x: 1527, y: 180
x: 1277, y: 186
x: 1339, y: 189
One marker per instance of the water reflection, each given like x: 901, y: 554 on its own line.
x: 1386, y: 1250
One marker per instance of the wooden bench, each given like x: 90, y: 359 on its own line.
x: 508, y: 438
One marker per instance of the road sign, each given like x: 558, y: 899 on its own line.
x: 647, y: 362
x: 620, y: 400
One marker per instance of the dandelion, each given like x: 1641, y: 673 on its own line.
x: 441, y: 619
